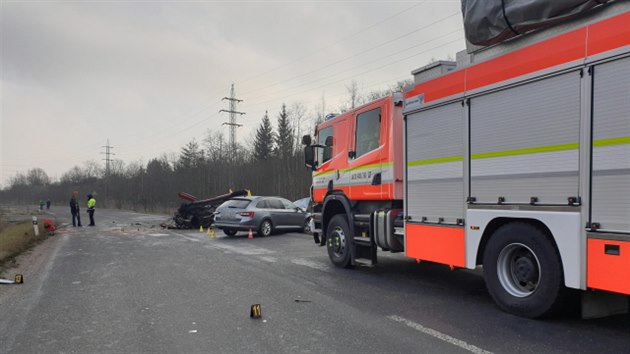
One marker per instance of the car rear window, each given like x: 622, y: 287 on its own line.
x: 236, y: 203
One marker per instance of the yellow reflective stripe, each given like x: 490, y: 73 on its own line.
x: 323, y: 173
x: 435, y: 160
x: 526, y: 151
x: 376, y: 165
x: 612, y: 141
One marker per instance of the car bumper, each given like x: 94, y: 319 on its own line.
x: 244, y: 226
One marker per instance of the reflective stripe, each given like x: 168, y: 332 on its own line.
x: 376, y: 165
x: 525, y: 151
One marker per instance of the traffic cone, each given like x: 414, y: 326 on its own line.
x: 209, y: 233
x: 214, y: 234
x: 250, y: 234
x: 201, y: 228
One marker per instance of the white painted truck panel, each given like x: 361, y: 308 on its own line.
x: 565, y: 227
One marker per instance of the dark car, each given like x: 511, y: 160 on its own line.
x: 261, y: 214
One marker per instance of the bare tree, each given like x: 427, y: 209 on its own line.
x: 37, y: 177
x: 299, y: 118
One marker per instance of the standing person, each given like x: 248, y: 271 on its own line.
x: 74, y: 209
x: 41, y: 204
x: 47, y: 204
x: 90, y: 205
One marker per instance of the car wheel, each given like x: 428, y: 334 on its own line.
x: 522, y: 270
x: 229, y: 232
x: 338, y: 244
x: 266, y: 228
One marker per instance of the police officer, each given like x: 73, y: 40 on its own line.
x: 74, y: 209
x: 90, y: 205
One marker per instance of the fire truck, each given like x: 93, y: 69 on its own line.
x: 515, y: 157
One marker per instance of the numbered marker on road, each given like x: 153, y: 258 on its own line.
x: 256, y: 311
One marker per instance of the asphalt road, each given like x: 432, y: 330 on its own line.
x: 129, y: 286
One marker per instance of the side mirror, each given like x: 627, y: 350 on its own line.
x: 309, y: 157
x: 306, y: 140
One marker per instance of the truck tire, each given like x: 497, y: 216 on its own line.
x: 338, y: 241
x: 522, y: 270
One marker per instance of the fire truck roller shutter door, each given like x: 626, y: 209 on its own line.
x: 525, y: 140
x: 611, y: 146
x: 435, y: 149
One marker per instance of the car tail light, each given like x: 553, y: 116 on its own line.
x: 249, y: 214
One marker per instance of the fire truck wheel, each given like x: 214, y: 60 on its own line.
x: 522, y: 270
x: 338, y: 243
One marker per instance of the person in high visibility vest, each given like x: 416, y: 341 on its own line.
x: 90, y: 208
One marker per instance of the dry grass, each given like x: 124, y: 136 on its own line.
x: 16, y: 238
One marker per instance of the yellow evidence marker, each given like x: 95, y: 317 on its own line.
x: 256, y: 311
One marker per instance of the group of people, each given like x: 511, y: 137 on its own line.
x: 42, y: 203
x: 74, y: 209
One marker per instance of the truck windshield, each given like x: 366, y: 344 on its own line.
x: 324, y: 154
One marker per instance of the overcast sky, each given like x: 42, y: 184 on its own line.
x: 149, y: 75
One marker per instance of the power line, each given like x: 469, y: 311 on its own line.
x: 319, y: 50
x: 384, y: 43
x: 361, y: 73
x: 365, y: 64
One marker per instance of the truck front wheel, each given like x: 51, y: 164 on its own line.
x: 338, y: 241
x: 522, y: 270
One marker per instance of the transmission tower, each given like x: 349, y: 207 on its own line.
x: 232, y: 123
x: 108, y: 163
x: 108, y: 153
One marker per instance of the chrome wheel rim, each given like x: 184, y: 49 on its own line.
x: 518, y: 270
x: 338, y: 242
x: 266, y: 228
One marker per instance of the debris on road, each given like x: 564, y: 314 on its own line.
x: 19, y: 279
x: 199, y: 213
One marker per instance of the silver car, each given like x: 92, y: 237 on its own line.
x: 261, y: 214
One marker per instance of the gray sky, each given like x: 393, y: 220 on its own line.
x: 150, y: 75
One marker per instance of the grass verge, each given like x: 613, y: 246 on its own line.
x: 16, y: 238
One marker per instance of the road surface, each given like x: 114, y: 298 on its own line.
x: 128, y: 286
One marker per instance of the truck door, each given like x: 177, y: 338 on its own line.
x: 366, y: 155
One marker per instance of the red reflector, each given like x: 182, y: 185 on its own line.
x: 247, y: 214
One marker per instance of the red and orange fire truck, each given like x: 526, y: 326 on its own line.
x: 516, y: 157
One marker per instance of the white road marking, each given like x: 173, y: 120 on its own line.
x: 269, y: 259
x: 439, y: 335
x: 192, y: 331
x: 157, y: 235
x: 187, y: 237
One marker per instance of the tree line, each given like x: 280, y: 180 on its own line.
x: 272, y: 164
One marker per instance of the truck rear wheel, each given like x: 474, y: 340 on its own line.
x: 338, y: 241
x: 522, y: 270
